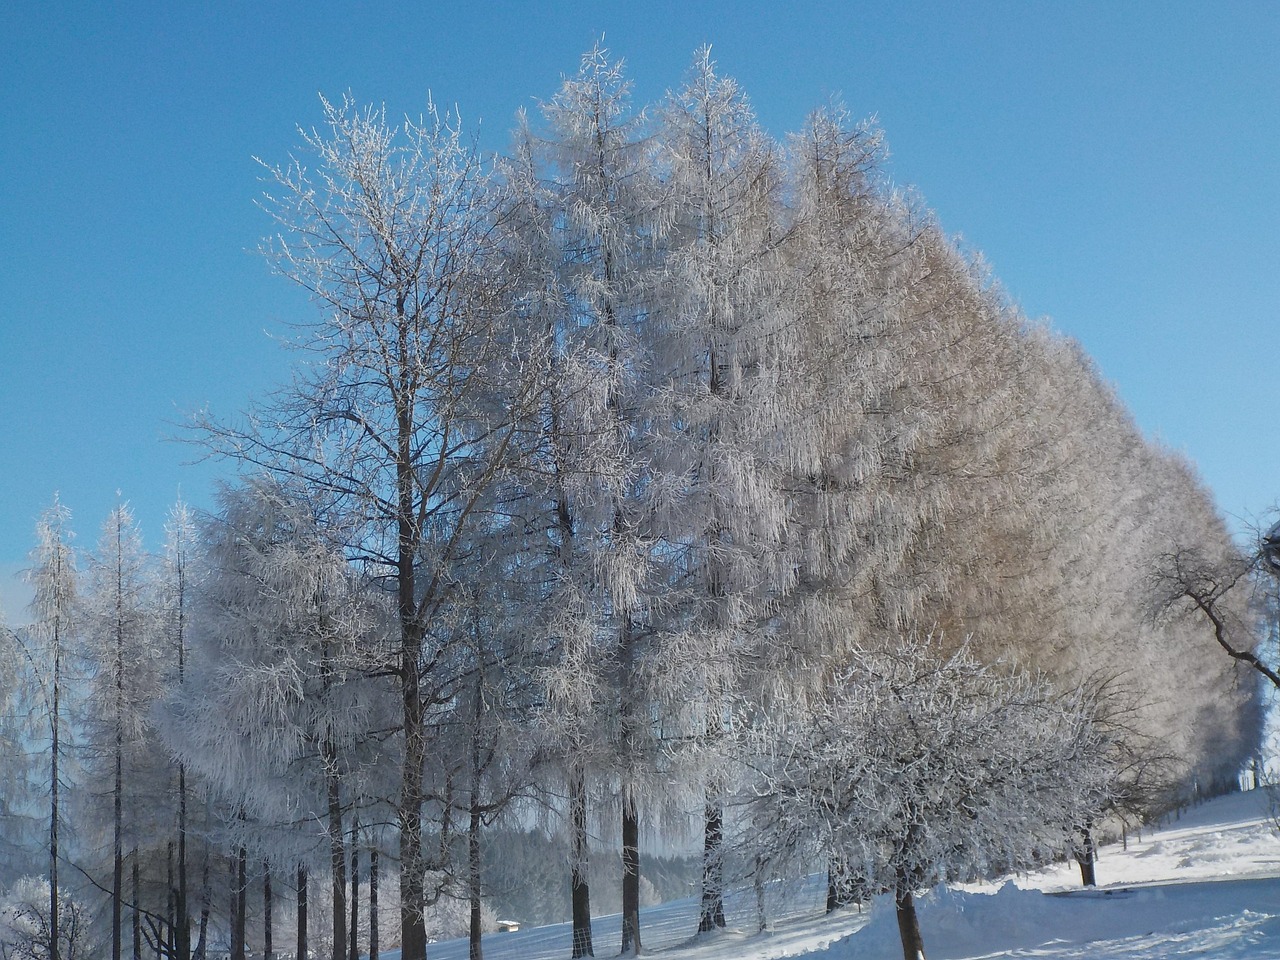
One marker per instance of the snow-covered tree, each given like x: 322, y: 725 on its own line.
x: 117, y: 646
x: 421, y: 380
x: 53, y: 578
x: 914, y: 765
x: 280, y: 697
x: 28, y: 930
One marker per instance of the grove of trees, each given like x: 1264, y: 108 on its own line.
x: 660, y: 479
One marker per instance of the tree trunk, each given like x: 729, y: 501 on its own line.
x: 201, y: 943
x: 303, y: 950
x: 354, y: 950
x: 337, y: 869
x: 137, y: 909
x: 373, y: 903
x: 55, y: 948
x: 712, y: 870
x: 579, y: 885
x: 239, y: 904
x: 268, y: 949
x: 908, y: 922
x: 757, y: 882
x: 474, y: 948
x: 630, y: 876
x: 1086, y: 856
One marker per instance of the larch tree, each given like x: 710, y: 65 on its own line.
x: 117, y: 636
x: 718, y: 379
x: 54, y: 614
x: 595, y: 194
x: 420, y: 378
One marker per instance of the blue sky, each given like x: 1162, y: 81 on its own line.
x: 1115, y: 162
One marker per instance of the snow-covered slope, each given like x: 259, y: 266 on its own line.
x: 1205, y: 885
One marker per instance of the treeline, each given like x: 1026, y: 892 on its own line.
x: 658, y: 478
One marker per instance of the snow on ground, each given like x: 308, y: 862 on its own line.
x: 1204, y: 885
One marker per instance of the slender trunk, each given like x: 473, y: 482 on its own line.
x: 137, y: 910
x: 240, y: 904
x: 712, y: 870
x: 474, y: 950
x: 630, y: 875
x: 354, y: 951
x: 117, y: 824
x: 55, y: 948
x: 117, y: 834
x: 579, y: 886
x: 908, y: 922
x: 268, y: 904
x: 337, y: 868
x: 303, y: 950
x: 373, y: 903
x: 757, y: 882
x: 201, y: 941
x: 171, y: 903
x: 182, y: 920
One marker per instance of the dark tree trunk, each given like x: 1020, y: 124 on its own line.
x: 842, y: 889
x: 1086, y: 855
x: 201, y: 942
x: 239, y: 904
x: 908, y: 922
x: 354, y: 950
x: 268, y: 903
x: 303, y: 950
x: 712, y: 870
x: 337, y: 870
x: 630, y: 876
x: 580, y: 888
x: 137, y: 909
x: 474, y: 949
x: 373, y: 903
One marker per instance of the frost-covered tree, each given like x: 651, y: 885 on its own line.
x: 721, y: 400
x: 587, y: 183
x: 28, y: 930
x: 914, y: 765
x: 280, y: 699
x: 54, y: 615
x: 117, y: 646
x: 421, y: 380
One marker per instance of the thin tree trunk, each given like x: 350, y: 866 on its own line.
x: 579, y: 885
x: 337, y: 867
x: 55, y: 948
x: 302, y: 952
x: 373, y: 903
x: 268, y: 903
x: 240, y: 904
x: 712, y: 870
x: 205, y: 893
x: 354, y: 951
x: 137, y: 909
x: 474, y: 949
x: 630, y: 876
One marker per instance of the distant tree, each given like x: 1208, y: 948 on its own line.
x: 54, y: 615
x: 27, y: 929
x: 117, y: 646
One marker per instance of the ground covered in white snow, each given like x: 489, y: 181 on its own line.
x: 1205, y: 885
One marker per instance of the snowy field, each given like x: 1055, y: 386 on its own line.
x: 1205, y: 885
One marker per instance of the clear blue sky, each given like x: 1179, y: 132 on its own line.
x: 1116, y: 162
